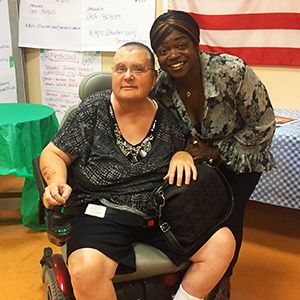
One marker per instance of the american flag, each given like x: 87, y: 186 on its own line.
x: 261, y: 32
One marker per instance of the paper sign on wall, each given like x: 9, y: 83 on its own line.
x: 7, y: 70
x: 90, y: 25
x: 61, y: 73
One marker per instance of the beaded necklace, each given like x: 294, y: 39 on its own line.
x: 133, y: 152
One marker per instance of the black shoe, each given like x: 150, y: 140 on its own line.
x: 221, y: 291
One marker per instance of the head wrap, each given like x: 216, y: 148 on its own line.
x: 177, y: 20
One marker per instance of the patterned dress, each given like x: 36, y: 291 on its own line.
x: 110, y: 169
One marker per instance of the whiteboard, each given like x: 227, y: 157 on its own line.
x: 85, y: 25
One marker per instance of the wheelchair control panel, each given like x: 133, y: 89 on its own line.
x: 57, y: 225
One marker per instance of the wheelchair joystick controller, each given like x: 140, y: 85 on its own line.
x: 57, y: 225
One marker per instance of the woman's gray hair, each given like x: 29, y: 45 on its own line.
x: 134, y: 45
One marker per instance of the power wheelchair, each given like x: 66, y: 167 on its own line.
x: 156, y: 276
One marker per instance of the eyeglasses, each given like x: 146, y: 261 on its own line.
x: 136, y: 69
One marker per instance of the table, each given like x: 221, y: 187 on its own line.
x: 282, y: 186
x: 25, y: 129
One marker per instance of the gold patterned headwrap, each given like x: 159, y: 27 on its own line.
x: 161, y: 29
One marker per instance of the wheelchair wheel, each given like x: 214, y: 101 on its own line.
x: 52, y: 290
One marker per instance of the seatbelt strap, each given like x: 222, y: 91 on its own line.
x: 119, y: 216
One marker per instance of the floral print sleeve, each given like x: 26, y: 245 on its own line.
x: 238, y: 115
x: 247, y: 149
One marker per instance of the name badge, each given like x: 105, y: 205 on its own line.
x: 95, y: 210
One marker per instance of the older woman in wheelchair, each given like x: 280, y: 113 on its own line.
x: 102, y: 166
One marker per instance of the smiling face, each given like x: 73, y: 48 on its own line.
x: 130, y: 85
x: 178, y: 55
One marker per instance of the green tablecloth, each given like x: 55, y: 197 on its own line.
x: 25, y: 129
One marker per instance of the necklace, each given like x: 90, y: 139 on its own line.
x: 133, y: 152
x: 188, y: 92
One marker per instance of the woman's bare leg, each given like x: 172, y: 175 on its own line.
x: 91, y: 275
x: 209, y: 264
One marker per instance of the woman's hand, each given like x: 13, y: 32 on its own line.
x: 198, y: 149
x: 56, y: 194
x: 53, y: 166
x: 181, y: 164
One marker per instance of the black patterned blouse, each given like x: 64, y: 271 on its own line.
x: 108, y: 168
x: 238, y: 115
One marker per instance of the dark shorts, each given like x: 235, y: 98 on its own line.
x: 115, y: 241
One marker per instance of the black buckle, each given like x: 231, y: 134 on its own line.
x: 165, y: 227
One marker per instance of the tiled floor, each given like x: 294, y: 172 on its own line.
x: 268, y: 268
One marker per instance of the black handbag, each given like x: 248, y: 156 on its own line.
x: 188, y: 215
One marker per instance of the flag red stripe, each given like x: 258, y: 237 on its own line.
x: 248, y: 21
x: 261, y: 55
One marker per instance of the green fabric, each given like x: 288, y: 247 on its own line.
x: 29, y: 205
x: 25, y: 129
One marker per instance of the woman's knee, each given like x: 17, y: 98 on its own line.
x: 89, y: 265
x: 224, y: 243
x: 220, y: 246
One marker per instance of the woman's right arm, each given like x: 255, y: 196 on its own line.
x: 53, y: 166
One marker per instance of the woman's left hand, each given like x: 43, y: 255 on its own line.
x: 198, y: 149
x: 181, y: 165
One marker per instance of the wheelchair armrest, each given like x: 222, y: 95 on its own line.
x: 41, y: 185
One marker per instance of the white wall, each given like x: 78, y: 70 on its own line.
x: 283, y: 83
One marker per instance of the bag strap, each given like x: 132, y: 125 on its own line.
x: 165, y: 228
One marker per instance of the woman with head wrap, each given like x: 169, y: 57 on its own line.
x: 223, y: 104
